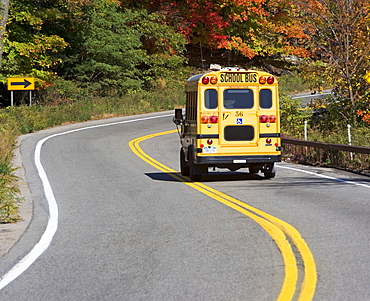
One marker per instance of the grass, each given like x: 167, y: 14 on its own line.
x: 8, y: 181
x: 292, y: 84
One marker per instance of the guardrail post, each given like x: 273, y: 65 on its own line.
x: 350, y: 139
x: 305, y: 130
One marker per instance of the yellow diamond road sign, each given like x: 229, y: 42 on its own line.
x: 367, y: 77
x: 21, y: 83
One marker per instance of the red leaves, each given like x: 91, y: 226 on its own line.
x: 249, y: 26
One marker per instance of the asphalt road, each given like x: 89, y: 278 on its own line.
x: 128, y: 231
x: 307, y: 97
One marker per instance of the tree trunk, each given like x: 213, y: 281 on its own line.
x: 4, y: 8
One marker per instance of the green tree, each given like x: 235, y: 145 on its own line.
x: 123, y: 51
x: 29, y: 49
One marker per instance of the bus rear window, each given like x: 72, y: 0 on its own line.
x: 211, y: 99
x: 265, y: 99
x: 238, y: 99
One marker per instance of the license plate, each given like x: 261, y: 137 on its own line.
x: 209, y: 150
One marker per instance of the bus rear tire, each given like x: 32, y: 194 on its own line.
x: 194, y: 176
x: 184, y: 166
x: 253, y: 169
x: 269, y: 175
x: 269, y: 171
x: 195, y: 170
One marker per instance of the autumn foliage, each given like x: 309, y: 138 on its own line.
x: 122, y: 46
x: 251, y: 27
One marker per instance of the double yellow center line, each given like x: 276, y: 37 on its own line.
x: 284, y: 235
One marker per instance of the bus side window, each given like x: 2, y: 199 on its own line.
x: 211, y: 99
x: 238, y: 99
x: 265, y: 99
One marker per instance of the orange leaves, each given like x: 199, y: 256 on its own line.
x: 238, y: 44
x: 365, y: 116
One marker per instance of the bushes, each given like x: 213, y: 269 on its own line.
x: 8, y: 187
x: 293, y: 117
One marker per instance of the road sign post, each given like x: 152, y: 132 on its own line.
x: 20, y: 84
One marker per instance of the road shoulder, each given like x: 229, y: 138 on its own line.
x: 10, y: 233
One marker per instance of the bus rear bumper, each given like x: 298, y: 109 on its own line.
x: 241, y: 160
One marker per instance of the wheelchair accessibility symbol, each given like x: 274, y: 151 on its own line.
x: 239, y: 120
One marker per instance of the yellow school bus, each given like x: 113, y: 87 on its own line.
x: 231, y: 121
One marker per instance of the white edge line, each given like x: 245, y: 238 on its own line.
x: 52, y: 225
x: 325, y: 176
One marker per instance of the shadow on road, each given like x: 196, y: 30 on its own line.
x: 211, y: 177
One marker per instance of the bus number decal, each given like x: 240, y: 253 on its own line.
x: 239, y: 114
x: 225, y: 116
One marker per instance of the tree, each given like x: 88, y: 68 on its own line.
x: 251, y: 27
x: 340, y: 37
x: 99, y: 44
x: 29, y: 48
x: 123, y: 51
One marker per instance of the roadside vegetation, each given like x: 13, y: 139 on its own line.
x: 327, y: 120
x: 94, y: 59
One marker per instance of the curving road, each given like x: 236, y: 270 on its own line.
x: 123, y: 229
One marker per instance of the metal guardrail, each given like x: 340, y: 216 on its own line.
x: 354, y: 158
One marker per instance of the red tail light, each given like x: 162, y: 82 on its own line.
x: 209, y: 141
x: 208, y: 119
x: 264, y: 118
x: 268, y: 140
x: 213, y: 119
x: 267, y: 118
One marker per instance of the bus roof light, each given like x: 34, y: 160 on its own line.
x: 263, y: 80
x: 213, y: 80
x: 270, y: 80
x: 205, y: 80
